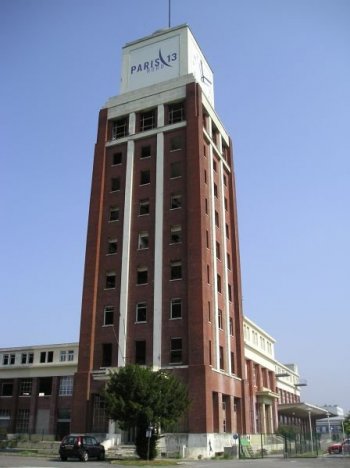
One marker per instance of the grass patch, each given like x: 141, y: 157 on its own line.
x: 139, y: 462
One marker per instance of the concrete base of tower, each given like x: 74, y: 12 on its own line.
x: 195, y: 446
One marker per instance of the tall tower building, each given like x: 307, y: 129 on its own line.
x: 162, y: 284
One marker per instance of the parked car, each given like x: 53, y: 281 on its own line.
x: 81, y: 446
x: 339, y: 447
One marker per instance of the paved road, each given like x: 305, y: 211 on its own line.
x: 334, y: 461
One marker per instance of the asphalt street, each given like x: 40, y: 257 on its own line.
x: 334, y: 461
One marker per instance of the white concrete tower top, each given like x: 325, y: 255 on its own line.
x: 165, y: 55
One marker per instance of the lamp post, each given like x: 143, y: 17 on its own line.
x: 311, y: 436
x: 329, y: 427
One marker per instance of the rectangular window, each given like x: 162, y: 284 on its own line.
x: 24, y: 358
x: 175, y: 270
x: 6, y: 388
x: 227, y: 231
x: 120, y: 128
x: 175, y: 169
x: 175, y: 201
x: 175, y: 308
x: 45, y: 386
x: 218, y: 254
x: 176, y: 112
x: 206, y: 205
x: 110, y: 280
x: 175, y: 234
x: 141, y: 312
x: 43, y: 356
x: 113, y: 214
x: 205, y: 176
x: 106, y: 355
x: 145, y: 177
x: 116, y: 159
x: 226, y: 204
x: 66, y: 386
x: 63, y: 356
x: 218, y: 283
x: 220, y: 320
x: 229, y: 261
x: 232, y: 363
x: 217, y: 223
x: 143, y: 241
x: 22, y: 421
x: 145, y: 151
x: 208, y: 274
x: 176, y: 350
x: 27, y: 358
x: 25, y: 387
x: 70, y: 355
x: 140, y: 352
x: 112, y: 246
x: 144, y: 207
x: 229, y: 287
x: 142, y: 275
x: 225, y: 180
x: 108, y: 315
x: 215, y: 190
x: 209, y: 351
x: 214, y: 165
x: 50, y: 356
x: 207, y: 238
x: 115, y: 184
x: 221, y: 354
x: 176, y: 143
x: 231, y: 326
x: 209, y: 312
x: 148, y: 120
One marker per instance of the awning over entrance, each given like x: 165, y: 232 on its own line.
x: 301, y: 410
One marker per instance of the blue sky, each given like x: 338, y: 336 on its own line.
x: 282, y: 79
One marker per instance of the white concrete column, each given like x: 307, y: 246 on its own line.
x: 124, y: 281
x: 158, y: 256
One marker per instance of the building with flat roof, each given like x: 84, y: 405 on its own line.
x: 36, y: 387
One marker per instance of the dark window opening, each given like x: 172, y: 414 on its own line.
x: 110, y: 281
x: 106, y: 355
x: 175, y: 201
x: 145, y: 177
x: 176, y: 112
x: 120, y: 128
x: 140, y: 352
x: 115, y: 184
x: 176, y: 308
x: 116, y: 159
x: 142, y: 275
x: 108, y: 315
x: 222, y: 365
x: 146, y: 151
x: 144, y: 207
x: 141, y: 312
x: 176, y: 350
x: 45, y: 386
x: 7, y: 388
x: 148, y: 120
x: 112, y: 246
x: 176, y: 143
x: 175, y: 234
x: 175, y: 169
x: 175, y: 270
x: 114, y: 214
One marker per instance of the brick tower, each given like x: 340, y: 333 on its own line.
x: 162, y: 284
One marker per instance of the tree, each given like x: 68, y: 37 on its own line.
x: 137, y: 397
x: 347, y: 424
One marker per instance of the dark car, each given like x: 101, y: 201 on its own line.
x: 81, y: 446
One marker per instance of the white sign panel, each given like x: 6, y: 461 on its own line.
x: 154, y: 63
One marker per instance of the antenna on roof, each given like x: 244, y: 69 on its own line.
x: 169, y: 22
